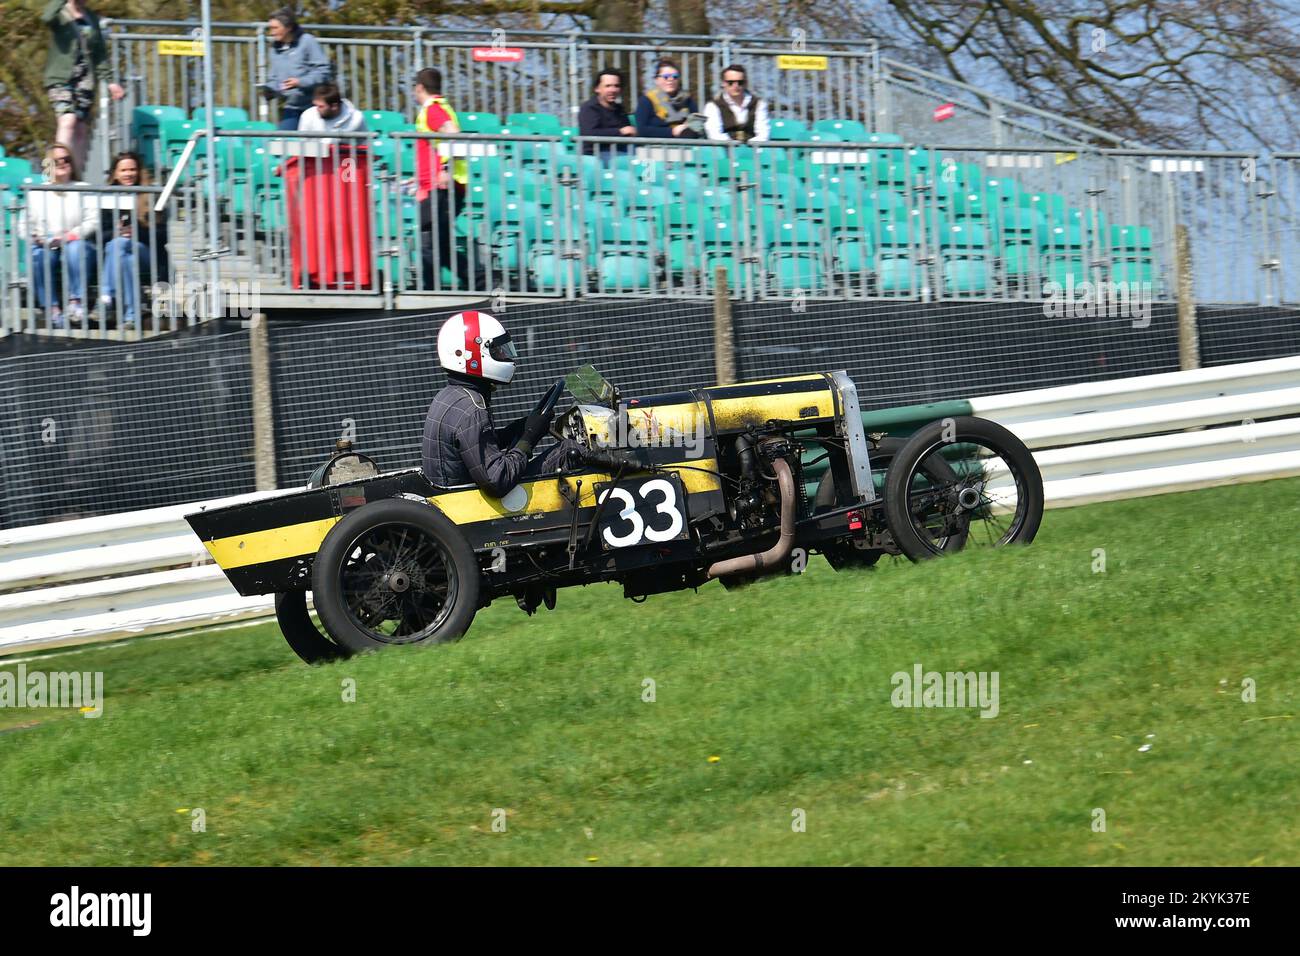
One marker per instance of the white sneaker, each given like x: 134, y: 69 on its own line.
x: 75, y: 312
x: 56, y: 318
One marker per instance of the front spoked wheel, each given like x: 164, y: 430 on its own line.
x: 993, y: 498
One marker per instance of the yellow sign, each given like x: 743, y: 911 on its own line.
x: 790, y: 61
x: 1066, y: 158
x: 180, y: 47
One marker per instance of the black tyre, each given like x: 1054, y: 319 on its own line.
x: 842, y: 554
x: 994, y: 496
x: 395, y: 572
x: 300, y: 630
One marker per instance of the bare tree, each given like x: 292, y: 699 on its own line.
x: 1173, y: 73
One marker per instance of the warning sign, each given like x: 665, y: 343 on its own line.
x: 791, y: 61
x: 180, y: 47
x: 498, y: 54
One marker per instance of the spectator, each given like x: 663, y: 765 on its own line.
x: 136, y: 254
x: 603, y: 114
x: 59, y: 224
x: 440, y: 195
x: 298, y: 66
x: 736, y: 113
x: 77, y: 58
x: 330, y: 112
x: 666, y: 110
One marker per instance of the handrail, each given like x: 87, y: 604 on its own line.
x: 655, y: 40
x: 994, y: 97
x: 172, y: 180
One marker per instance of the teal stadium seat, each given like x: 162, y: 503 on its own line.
x: 849, y: 131
x: 789, y: 129
x: 534, y: 124
x: 221, y: 115
x: 479, y: 122
x: 387, y: 121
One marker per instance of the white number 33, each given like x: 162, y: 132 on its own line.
x: 640, y: 530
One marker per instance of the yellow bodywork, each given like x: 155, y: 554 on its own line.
x: 462, y: 507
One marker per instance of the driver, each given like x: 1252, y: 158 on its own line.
x: 461, y: 444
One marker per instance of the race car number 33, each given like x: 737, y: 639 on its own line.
x: 642, y: 511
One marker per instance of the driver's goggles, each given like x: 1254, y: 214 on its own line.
x: 502, y: 349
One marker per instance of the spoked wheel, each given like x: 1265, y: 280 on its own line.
x: 395, y: 572
x: 842, y: 554
x: 994, y: 496
x: 300, y: 630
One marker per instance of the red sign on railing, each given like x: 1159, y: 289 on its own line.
x: 944, y: 112
x: 498, y: 54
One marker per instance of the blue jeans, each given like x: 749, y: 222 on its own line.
x: 72, y: 255
x: 121, y: 274
x: 289, y: 117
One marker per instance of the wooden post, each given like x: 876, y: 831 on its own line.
x: 259, y: 356
x: 1189, y: 343
x: 724, y: 346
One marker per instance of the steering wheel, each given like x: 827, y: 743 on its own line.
x: 552, y: 397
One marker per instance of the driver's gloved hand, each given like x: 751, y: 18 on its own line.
x: 535, y: 426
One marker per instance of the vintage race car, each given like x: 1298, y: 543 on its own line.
x: 665, y: 492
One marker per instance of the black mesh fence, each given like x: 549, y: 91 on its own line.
x: 372, y: 380
x: 120, y: 428
x: 1247, y: 333
x: 900, y: 354
x: 117, y: 428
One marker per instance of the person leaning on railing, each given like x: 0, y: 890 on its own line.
x: 135, y: 241
x: 77, y: 58
x: 603, y: 114
x: 331, y: 112
x: 59, y: 225
x: 736, y: 113
x: 666, y: 110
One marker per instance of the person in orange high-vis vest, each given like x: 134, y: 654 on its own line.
x: 441, y: 196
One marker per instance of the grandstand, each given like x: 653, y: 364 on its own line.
x: 861, y: 193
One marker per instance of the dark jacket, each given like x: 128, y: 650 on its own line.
x: 154, y: 264
x: 461, y: 444
x: 648, y: 122
x: 302, y: 57
x: 597, y: 120
x: 62, y: 55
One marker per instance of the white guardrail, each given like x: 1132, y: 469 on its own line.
x: 144, y: 572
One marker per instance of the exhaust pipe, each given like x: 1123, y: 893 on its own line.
x: 764, y: 561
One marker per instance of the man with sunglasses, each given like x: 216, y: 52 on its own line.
x: 461, y: 443
x: 736, y: 113
x: 666, y: 110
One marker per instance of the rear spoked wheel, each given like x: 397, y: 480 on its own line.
x: 395, y: 572
x: 300, y: 631
x: 992, y: 497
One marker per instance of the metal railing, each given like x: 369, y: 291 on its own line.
x: 85, y: 260
x: 345, y: 219
x: 545, y: 71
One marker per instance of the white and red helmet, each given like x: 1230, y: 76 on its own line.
x: 476, y: 344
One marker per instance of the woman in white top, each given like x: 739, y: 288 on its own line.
x: 60, y: 226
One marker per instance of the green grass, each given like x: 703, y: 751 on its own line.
x: 787, y: 683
